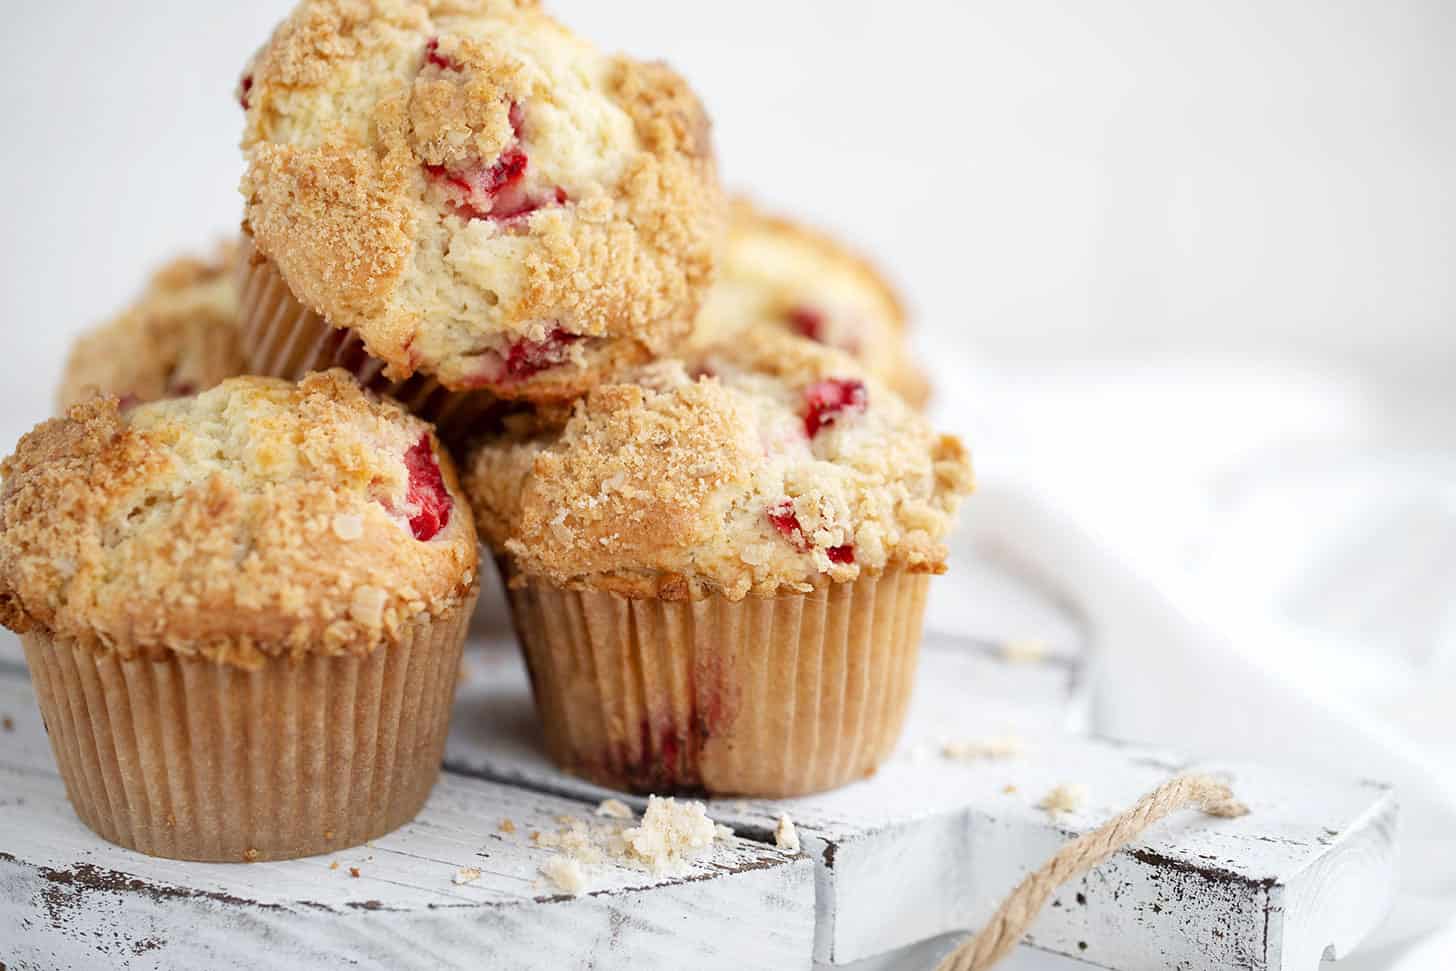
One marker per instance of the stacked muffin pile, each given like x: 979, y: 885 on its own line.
x: 689, y: 434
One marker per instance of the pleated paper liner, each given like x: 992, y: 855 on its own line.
x: 194, y: 760
x: 768, y: 697
x: 282, y: 338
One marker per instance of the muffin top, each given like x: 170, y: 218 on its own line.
x: 774, y: 271
x: 178, y: 338
x: 478, y: 193
x: 257, y: 518
x: 760, y: 466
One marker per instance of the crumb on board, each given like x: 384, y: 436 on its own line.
x: 328, y: 834
x: 1002, y: 747
x: 614, y: 809
x: 1024, y: 651
x: 566, y: 873
x: 1009, y: 789
x: 786, y: 836
x: 354, y: 872
x: 507, y: 825
x: 466, y: 874
x: 668, y: 837
x: 334, y: 865
x: 250, y: 855
x: 7, y: 723
x: 1066, y: 798
x: 671, y: 834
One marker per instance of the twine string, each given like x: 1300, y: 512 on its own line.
x: 1017, y: 912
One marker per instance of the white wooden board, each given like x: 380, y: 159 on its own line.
x: 892, y: 866
x: 71, y: 900
x: 930, y: 845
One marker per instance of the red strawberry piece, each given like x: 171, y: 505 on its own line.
x: 496, y: 191
x: 525, y: 358
x: 841, y: 554
x: 826, y: 401
x: 427, y: 492
x: 244, y: 86
x: 807, y: 322
x: 433, y: 56
x: 781, y: 514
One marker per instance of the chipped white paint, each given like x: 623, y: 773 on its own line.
x: 930, y: 845
x: 70, y: 900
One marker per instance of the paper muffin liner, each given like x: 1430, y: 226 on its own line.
x: 195, y: 760
x: 282, y: 338
x: 777, y: 696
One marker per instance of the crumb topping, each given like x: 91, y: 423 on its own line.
x: 178, y: 338
x: 257, y: 518
x: 481, y: 195
x: 736, y: 471
x: 779, y: 273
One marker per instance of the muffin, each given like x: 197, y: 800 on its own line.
x: 780, y: 273
x: 243, y: 613
x: 717, y: 569
x: 475, y: 198
x: 178, y: 338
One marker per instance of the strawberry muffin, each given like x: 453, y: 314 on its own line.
x: 178, y: 338
x: 243, y: 613
x: 777, y: 272
x: 475, y: 198
x: 718, y: 569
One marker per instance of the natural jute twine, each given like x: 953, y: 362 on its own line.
x: 1016, y: 913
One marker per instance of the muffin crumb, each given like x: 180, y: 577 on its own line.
x: 1002, y: 747
x: 508, y: 825
x: 1066, y: 798
x: 615, y: 809
x: 566, y: 873
x: 466, y: 874
x: 672, y: 834
x: 786, y: 836
x: 1027, y: 651
x: 354, y: 872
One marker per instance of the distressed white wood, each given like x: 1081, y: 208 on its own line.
x: 929, y: 846
x: 70, y: 900
x: 894, y: 865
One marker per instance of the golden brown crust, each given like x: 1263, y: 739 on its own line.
x: 780, y: 272
x: 369, y: 121
x: 745, y: 217
x: 179, y: 337
x: 679, y: 486
x: 259, y: 518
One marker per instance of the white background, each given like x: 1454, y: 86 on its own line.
x: 1155, y: 245
x: 1262, y: 179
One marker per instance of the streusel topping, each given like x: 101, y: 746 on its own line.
x: 257, y: 518
x: 757, y: 466
x: 179, y: 337
x: 781, y: 273
x: 480, y: 194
